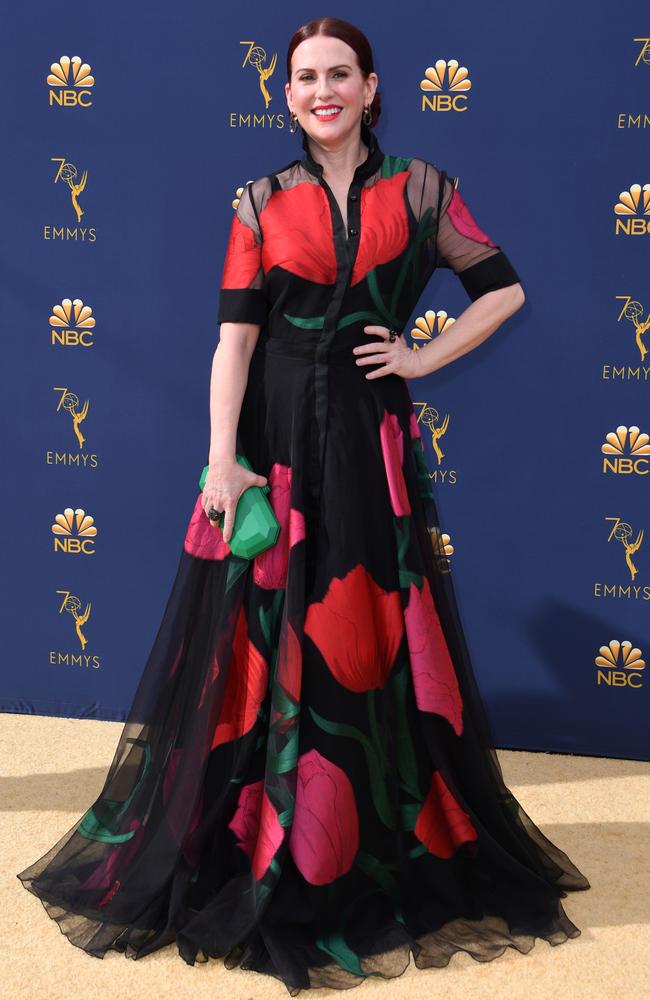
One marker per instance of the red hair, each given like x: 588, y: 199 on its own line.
x: 334, y: 27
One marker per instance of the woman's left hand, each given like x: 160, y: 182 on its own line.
x: 396, y: 357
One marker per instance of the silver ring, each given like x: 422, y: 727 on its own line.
x: 393, y: 335
x: 214, y: 514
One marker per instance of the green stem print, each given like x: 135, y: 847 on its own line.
x: 103, y: 829
x: 402, y: 526
x: 383, y: 805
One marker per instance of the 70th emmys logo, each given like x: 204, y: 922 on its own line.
x: 622, y: 532
x: 69, y: 402
x: 633, y: 209
x: 429, y: 417
x: 68, y: 173
x: 628, y: 448
x: 70, y: 81
x: 619, y: 665
x: 72, y: 605
x: 445, y: 86
x: 256, y: 57
x: 644, y: 51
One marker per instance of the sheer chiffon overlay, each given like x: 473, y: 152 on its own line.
x: 306, y: 783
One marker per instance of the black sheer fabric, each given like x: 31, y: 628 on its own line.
x: 306, y: 784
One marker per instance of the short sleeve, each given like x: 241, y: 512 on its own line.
x: 459, y: 242
x: 241, y: 297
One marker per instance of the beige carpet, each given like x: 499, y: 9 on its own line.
x: 597, y: 810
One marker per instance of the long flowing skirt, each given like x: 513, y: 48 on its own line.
x: 306, y: 783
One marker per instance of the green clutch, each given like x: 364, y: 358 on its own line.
x: 256, y: 527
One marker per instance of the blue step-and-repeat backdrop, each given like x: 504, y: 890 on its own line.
x: 128, y: 134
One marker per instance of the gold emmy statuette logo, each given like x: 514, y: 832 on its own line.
x: 72, y: 605
x: 72, y: 324
x: 632, y: 311
x: 622, y: 532
x: 442, y: 549
x: 644, y: 51
x: 67, y: 173
x: 70, y: 402
x: 74, y: 531
x: 256, y: 57
x: 619, y: 665
x: 445, y: 86
x: 70, y: 81
x: 633, y: 209
x: 429, y: 325
x: 628, y: 448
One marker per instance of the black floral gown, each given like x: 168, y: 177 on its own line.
x: 306, y: 783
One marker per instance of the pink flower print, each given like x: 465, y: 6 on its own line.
x: 270, y: 567
x: 392, y: 446
x: 434, y: 676
x: 325, y: 831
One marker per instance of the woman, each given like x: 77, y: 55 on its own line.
x: 306, y: 782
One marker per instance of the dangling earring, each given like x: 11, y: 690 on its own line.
x: 293, y: 122
x: 367, y: 115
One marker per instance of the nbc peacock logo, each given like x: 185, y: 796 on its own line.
x: 72, y: 324
x: 70, y: 83
x: 619, y: 665
x: 445, y: 86
x: 632, y: 211
x: 429, y: 326
x: 74, y: 532
x: 626, y: 452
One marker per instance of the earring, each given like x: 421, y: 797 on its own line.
x: 367, y: 115
x: 293, y: 122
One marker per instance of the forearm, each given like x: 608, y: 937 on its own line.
x: 481, y: 318
x: 228, y: 379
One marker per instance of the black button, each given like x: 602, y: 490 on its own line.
x: 353, y: 197
x: 353, y: 232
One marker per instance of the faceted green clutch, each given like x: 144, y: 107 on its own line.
x: 256, y: 527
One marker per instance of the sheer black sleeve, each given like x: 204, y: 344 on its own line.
x: 458, y: 242
x: 241, y: 296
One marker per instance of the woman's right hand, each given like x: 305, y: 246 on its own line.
x: 224, y: 484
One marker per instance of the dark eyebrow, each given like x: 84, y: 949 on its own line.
x: 338, y: 66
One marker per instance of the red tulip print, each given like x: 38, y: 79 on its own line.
x: 357, y: 627
x: 202, y: 539
x: 464, y: 222
x: 307, y: 251
x: 392, y: 446
x: 384, y: 224
x: 325, y: 830
x: 270, y: 567
x: 246, y: 686
x: 434, y: 676
x: 288, y: 671
x: 257, y: 827
x: 442, y: 825
x: 242, y: 261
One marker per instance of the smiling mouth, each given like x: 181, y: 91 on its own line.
x: 330, y: 113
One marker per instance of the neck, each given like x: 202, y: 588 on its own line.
x: 341, y: 160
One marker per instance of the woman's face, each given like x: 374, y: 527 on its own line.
x: 325, y: 71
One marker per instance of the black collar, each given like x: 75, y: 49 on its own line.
x: 371, y: 163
